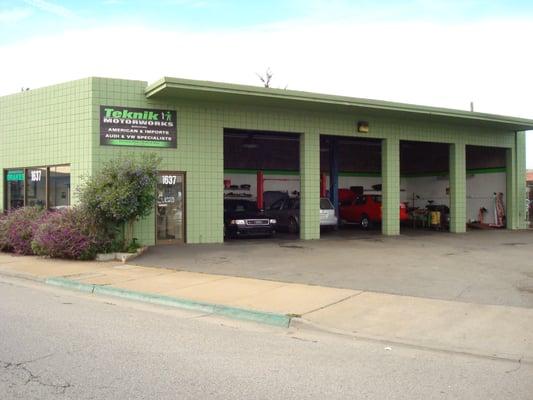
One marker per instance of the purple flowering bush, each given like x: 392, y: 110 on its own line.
x: 4, y: 243
x: 69, y: 233
x: 17, y: 228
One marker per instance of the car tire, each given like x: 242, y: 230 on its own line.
x: 365, y: 222
x: 293, y: 226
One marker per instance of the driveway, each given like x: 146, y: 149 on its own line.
x: 485, y: 267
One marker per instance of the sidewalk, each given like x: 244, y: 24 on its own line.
x: 485, y: 330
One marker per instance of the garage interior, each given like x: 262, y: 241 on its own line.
x: 354, y: 164
x: 425, y: 184
x: 486, y: 187
x: 349, y: 167
x: 424, y: 180
x: 262, y: 163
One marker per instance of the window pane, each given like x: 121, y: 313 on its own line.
x: 59, y: 186
x: 36, y: 187
x: 325, y: 204
x: 15, y: 188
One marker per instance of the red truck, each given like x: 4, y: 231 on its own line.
x: 364, y: 209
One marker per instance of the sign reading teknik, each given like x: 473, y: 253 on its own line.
x: 126, y: 126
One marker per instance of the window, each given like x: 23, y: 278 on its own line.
x: 37, y: 186
x: 294, y: 204
x: 325, y: 204
x: 360, y: 200
x: 277, y: 205
x: 59, y: 186
x: 14, y: 188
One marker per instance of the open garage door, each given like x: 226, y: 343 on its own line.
x: 261, y: 184
x: 351, y: 179
x: 486, y: 187
x: 425, y: 185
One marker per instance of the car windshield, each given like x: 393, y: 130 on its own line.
x: 294, y: 204
x: 240, y: 206
x: 325, y: 204
x: 377, y: 198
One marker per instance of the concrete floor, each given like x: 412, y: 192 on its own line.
x: 486, y: 267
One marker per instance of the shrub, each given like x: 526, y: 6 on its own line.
x: 4, y: 243
x: 17, y: 229
x: 69, y: 233
x: 122, y: 192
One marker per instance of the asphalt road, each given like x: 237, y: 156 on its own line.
x: 56, y: 344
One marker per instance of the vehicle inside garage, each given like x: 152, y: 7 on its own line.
x: 261, y: 183
x: 351, y: 177
x: 424, y: 182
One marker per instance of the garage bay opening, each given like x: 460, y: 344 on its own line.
x: 261, y: 184
x: 486, y: 187
x: 351, y: 179
x: 425, y: 185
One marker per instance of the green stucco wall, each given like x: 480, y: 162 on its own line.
x: 60, y: 124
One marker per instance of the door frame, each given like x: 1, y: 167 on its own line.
x: 184, y: 211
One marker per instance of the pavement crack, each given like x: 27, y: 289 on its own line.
x: 334, y: 303
x: 517, y: 368
x: 31, y: 377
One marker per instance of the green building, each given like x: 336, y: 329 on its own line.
x: 211, y: 135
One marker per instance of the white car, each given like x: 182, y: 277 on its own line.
x: 327, y: 213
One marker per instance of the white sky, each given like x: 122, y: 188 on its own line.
x: 439, y: 64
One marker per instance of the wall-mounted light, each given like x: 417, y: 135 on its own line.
x: 362, y: 127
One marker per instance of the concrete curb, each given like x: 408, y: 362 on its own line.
x: 18, y: 275
x: 262, y: 317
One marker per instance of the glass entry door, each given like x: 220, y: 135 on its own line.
x: 170, y: 210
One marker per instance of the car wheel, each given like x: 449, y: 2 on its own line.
x: 293, y: 225
x: 365, y: 222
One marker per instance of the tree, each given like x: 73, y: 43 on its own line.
x: 267, y: 78
x: 122, y: 192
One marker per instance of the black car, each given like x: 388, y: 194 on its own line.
x: 243, y: 218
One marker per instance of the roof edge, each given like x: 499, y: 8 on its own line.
x: 248, y: 90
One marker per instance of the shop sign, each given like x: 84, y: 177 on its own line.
x: 141, y: 127
x: 15, y: 175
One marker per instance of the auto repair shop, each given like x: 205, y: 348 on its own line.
x: 219, y: 141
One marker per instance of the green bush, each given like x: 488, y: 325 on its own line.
x: 122, y: 192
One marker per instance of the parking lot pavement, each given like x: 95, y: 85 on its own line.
x: 485, y: 267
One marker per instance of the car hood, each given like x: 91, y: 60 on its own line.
x: 245, y: 215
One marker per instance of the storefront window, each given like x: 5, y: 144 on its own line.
x: 59, y: 186
x: 15, y: 188
x: 36, y: 187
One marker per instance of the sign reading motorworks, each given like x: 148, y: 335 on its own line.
x: 126, y: 126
